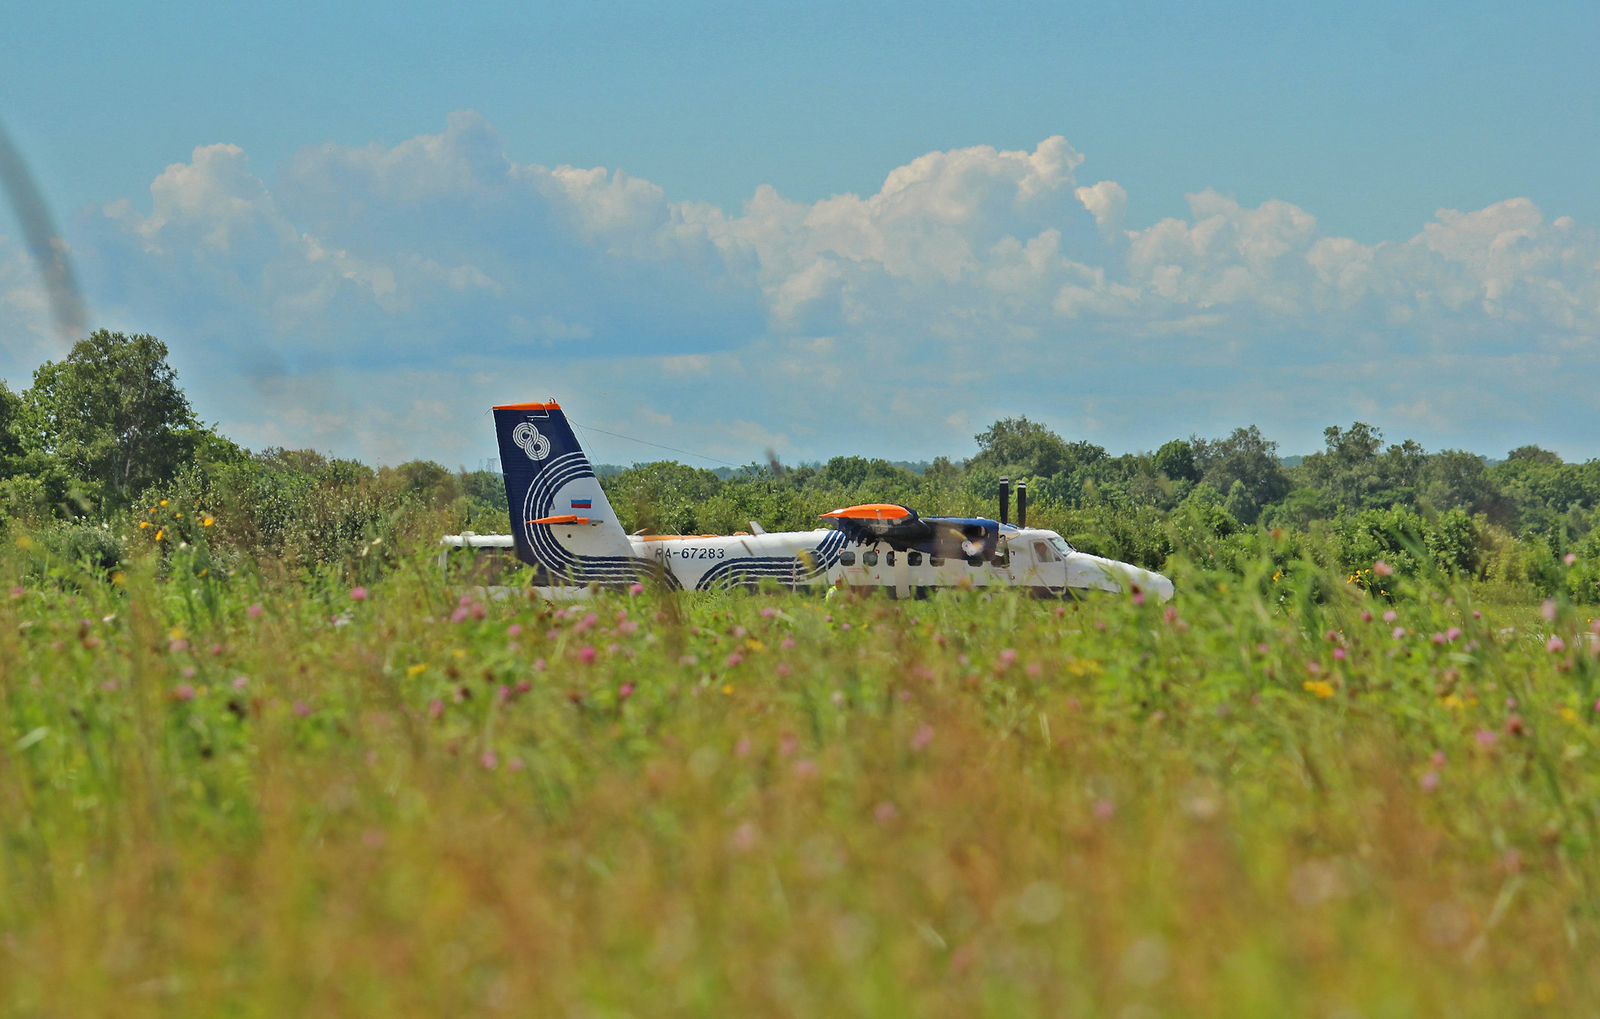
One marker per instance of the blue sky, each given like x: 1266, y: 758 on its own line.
x: 1368, y: 119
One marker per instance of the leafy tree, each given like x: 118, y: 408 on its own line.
x: 10, y: 421
x: 1542, y: 492
x: 1248, y: 457
x: 942, y: 470
x: 1176, y: 460
x: 662, y: 498
x: 22, y: 496
x: 428, y: 481
x: 485, y: 490
x: 1453, y: 543
x: 210, y: 450
x: 856, y: 473
x: 1536, y: 454
x: 1357, y: 473
x: 110, y: 417
x: 1298, y: 509
x: 1203, y: 514
x: 1357, y: 446
x: 767, y: 498
x: 1455, y: 479
x: 1402, y: 538
x: 1026, y: 448
x: 1239, y: 505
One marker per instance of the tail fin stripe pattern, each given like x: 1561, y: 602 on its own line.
x: 539, y: 502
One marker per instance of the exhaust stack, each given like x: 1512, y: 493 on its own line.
x: 1005, y: 500
x: 1022, y: 504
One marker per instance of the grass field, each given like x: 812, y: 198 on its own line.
x: 243, y: 798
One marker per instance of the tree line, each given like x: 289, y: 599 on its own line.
x: 1216, y: 502
x: 103, y: 453
x: 102, y: 457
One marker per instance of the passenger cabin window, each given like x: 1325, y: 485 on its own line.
x: 913, y: 558
x: 870, y: 558
x: 888, y: 558
x: 975, y: 561
x: 847, y: 558
x: 934, y: 560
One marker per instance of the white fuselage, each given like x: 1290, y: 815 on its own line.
x: 1033, y: 558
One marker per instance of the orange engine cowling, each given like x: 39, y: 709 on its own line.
x: 871, y: 511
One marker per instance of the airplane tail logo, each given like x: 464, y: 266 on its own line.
x: 527, y: 438
x: 561, y: 521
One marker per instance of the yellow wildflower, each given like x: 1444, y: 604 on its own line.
x: 159, y: 534
x: 417, y: 670
x: 727, y: 689
x: 143, y: 524
x: 163, y: 502
x: 1320, y: 687
x: 207, y: 521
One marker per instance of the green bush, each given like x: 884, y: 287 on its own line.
x: 70, y: 549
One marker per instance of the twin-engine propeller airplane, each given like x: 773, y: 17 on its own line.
x: 563, y: 526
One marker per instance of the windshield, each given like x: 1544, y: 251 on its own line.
x: 1060, y: 543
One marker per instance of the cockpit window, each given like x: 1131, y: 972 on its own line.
x: 1043, y: 552
x: 1060, y: 544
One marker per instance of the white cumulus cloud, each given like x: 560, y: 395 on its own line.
x: 373, y: 300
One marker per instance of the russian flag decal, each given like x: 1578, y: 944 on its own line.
x: 581, y: 503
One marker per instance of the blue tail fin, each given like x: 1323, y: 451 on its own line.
x: 561, y: 521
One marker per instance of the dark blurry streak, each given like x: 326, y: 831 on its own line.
x: 48, y: 247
